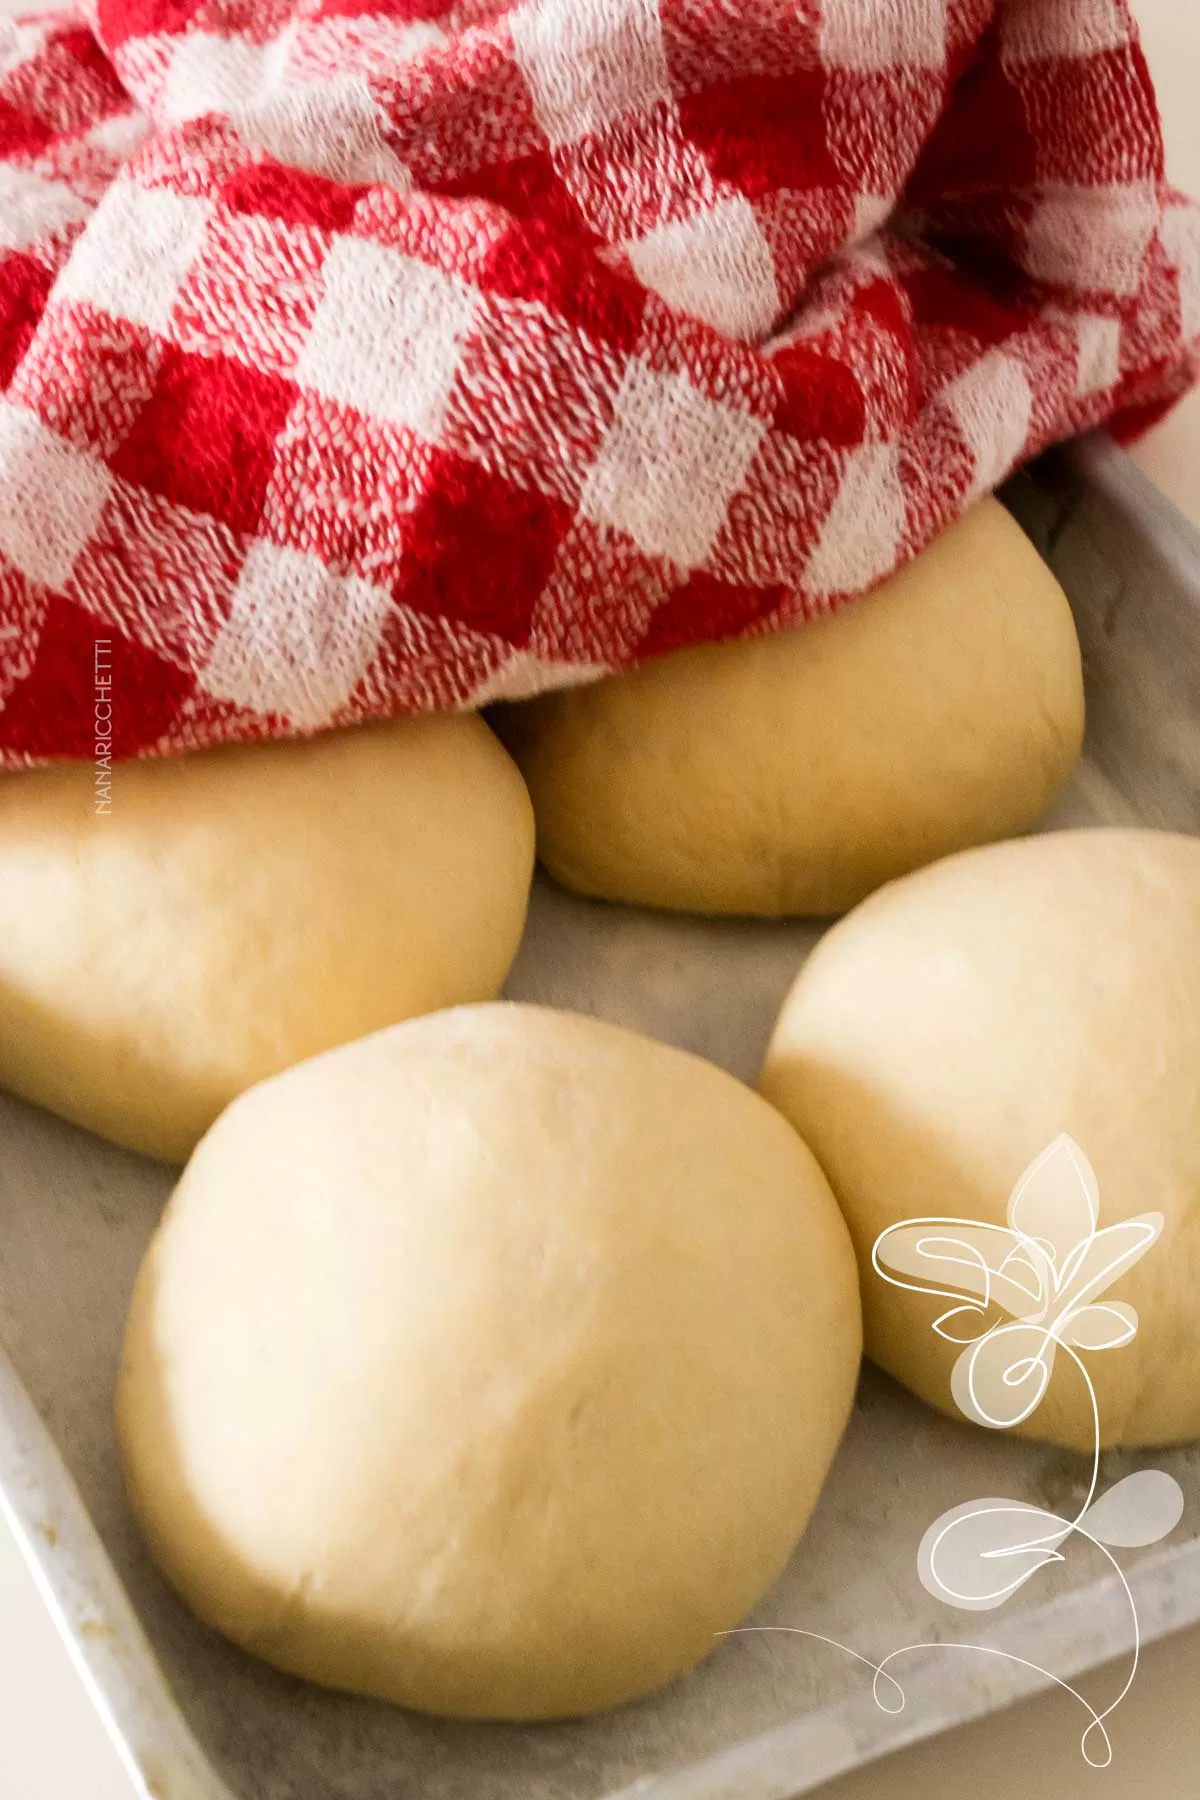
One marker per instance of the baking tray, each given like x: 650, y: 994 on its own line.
x: 768, y: 1716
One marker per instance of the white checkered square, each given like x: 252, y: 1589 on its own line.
x: 1038, y: 30
x: 298, y: 639
x: 388, y: 334
x: 51, y: 497
x: 209, y: 73
x: 32, y: 208
x: 1092, y: 238
x: 588, y: 63
x: 992, y: 405
x: 326, y: 48
x: 883, y: 34
x: 1099, y: 354
x: 1181, y: 241
x: 864, y: 527
x: 871, y: 211
x: 669, y: 465
x: 137, y: 249
x: 716, y: 266
x: 329, y: 126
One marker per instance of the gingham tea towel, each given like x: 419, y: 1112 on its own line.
x: 360, y: 362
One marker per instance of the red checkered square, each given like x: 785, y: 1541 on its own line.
x: 564, y: 276
x: 206, y: 437
x: 641, y: 173
x: 64, y: 665
x: 877, y: 125
x: 705, y: 603
x: 459, y: 238
x: 478, y: 550
x: 765, y: 132
x: 25, y: 284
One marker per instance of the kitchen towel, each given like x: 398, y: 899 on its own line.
x: 363, y: 362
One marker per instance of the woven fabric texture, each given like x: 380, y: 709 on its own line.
x: 363, y: 362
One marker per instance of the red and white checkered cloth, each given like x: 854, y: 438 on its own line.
x: 358, y: 362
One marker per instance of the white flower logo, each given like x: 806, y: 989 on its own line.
x: 1023, y: 1293
x: 1046, y: 1270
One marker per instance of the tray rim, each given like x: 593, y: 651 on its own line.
x: 159, y: 1753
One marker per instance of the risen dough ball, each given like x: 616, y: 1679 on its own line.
x: 949, y: 1031
x: 241, y: 909
x: 794, y: 774
x: 490, y: 1365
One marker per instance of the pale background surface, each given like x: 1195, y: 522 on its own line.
x: 52, y: 1746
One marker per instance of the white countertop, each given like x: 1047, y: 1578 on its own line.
x: 52, y: 1746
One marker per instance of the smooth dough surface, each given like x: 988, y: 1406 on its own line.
x: 241, y: 909
x: 491, y: 1365
x: 791, y: 775
x: 952, y: 1028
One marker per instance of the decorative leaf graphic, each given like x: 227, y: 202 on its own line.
x: 1056, y: 1202
x: 1104, y: 1325
x: 1100, y: 1260
x: 1002, y: 1379
x: 953, y: 1258
x: 1143, y: 1509
x: 963, y: 1324
x: 977, y: 1556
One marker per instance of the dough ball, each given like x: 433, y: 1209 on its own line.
x: 952, y: 1029
x: 241, y: 909
x: 491, y: 1365
x: 791, y: 775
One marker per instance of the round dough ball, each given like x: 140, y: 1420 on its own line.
x: 241, y: 909
x: 791, y: 775
x: 490, y: 1365
x: 945, y: 1035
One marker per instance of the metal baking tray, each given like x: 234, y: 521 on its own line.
x: 768, y: 1716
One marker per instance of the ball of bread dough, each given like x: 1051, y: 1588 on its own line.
x: 490, y: 1365
x: 240, y: 909
x: 954, y: 1028
x: 791, y: 775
